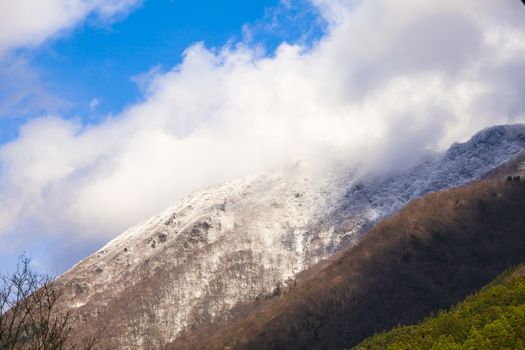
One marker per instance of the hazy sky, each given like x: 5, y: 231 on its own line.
x: 112, y: 110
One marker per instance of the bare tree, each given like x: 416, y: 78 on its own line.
x: 32, y: 315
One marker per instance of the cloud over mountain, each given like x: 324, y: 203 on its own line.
x: 388, y: 81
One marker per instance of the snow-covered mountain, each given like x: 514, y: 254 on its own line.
x: 192, y: 263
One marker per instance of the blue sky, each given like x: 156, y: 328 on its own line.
x: 110, y: 111
x: 97, y: 61
x: 90, y: 69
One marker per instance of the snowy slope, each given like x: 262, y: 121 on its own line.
x: 192, y: 263
x: 462, y: 163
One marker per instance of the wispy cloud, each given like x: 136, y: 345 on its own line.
x: 23, y: 92
x: 94, y: 103
x: 293, y: 21
x: 388, y: 81
x: 25, y: 23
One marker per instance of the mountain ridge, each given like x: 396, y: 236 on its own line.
x: 429, y: 256
x: 233, y: 243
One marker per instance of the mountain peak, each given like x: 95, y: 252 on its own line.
x: 490, y: 143
x: 249, y: 238
x: 500, y: 133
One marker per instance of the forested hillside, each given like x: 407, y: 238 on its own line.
x: 430, y: 256
x: 494, y: 318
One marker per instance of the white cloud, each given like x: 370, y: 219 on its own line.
x: 389, y: 80
x: 30, y: 22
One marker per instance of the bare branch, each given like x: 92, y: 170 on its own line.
x: 32, y: 315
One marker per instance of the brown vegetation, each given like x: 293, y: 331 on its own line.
x: 32, y: 315
x: 428, y: 257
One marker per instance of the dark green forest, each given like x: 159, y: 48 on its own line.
x: 494, y: 318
